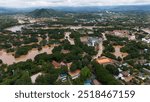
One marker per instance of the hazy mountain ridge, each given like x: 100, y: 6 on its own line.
x: 104, y: 8
x: 56, y: 11
x: 6, y: 10
x: 132, y: 8
x: 45, y: 13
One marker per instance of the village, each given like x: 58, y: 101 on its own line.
x: 76, y: 52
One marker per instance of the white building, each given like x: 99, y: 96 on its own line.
x: 146, y: 40
x: 93, y: 41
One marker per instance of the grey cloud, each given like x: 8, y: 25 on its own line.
x: 31, y: 3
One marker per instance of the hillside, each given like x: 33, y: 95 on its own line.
x: 132, y: 8
x: 38, y: 13
x: 6, y: 10
x: 60, y: 11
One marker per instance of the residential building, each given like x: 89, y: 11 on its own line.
x: 75, y: 74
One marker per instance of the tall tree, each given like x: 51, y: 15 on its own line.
x: 85, y: 73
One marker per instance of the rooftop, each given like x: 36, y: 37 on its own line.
x: 75, y: 73
x: 104, y: 60
x: 56, y: 64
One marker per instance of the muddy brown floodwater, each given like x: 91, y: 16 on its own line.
x: 15, y: 28
x: 9, y: 59
x: 118, y: 53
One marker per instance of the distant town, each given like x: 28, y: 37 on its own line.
x: 52, y: 47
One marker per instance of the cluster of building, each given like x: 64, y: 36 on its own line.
x: 124, y: 75
x: 63, y: 77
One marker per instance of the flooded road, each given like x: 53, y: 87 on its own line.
x: 67, y: 36
x: 146, y: 30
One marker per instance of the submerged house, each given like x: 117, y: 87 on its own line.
x: 56, y: 64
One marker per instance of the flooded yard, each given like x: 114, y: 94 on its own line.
x: 84, y: 39
x: 118, y: 53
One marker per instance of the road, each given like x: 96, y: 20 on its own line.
x: 100, y: 50
x: 100, y: 47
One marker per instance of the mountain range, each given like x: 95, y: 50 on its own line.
x: 59, y: 10
x: 104, y: 8
x: 45, y: 13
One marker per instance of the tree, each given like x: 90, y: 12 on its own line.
x: 43, y: 80
x: 77, y: 50
x: 109, y: 48
x: 57, y: 49
x: 112, y: 69
x: 44, y: 56
x: 47, y: 67
x: 24, y: 79
x: 73, y: 67
x: 108, y: 54
x: 89, y: 49
x: 103, y: 75
x: 47, y: 79
x: 66, y: 45
x: 119, y: 58
x: 85, y: 62
x: 85, y: 73
x: 43, y: 42
x: 64, y: 69
x: 57, y: 56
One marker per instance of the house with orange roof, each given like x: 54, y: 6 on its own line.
x: 74, y: 74
x: 104, y: 60
x: 56, y: 64
x: 59, y: 64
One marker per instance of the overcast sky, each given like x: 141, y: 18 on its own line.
x: 36, y: 3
